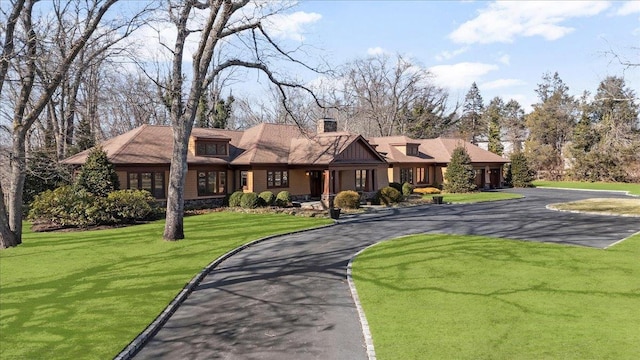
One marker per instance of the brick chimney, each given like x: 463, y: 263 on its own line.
x: 326, y: 125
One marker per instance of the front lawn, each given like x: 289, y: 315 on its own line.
x: 633, y: 189
x: 475, y: 197
x: 609, y: 206
x: 85, y: 295
x: 471, y: 297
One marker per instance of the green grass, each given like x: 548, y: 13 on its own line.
x: 85, y: 295
x: 609, y: 206
x: 475, y: 197
x: 631, y: 188
x: 471, y: 297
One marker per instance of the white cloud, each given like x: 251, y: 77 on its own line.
x: 376, y: 51
x: 505, y: 59
x: 291, y: 26
x: 628, y: 8
x: 504, y: 21
x: 460, y: 75
x: 501, y: 83
x: 447, y: 55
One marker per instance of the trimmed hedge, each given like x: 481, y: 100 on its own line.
x: 347, y: 200
x: 249, y: 200
x: 267, y: 198
x: 407, y: 189
x: 389, y: 195
x: 283, y: 198
x: 235, y: 198
x: 427, y: 190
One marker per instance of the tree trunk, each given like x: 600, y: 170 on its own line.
x: 7, y: 237
x: 174, y: 226
x: 16, y: 185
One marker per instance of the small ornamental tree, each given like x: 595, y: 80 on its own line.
x: 460, y: 176
x: 98, y: 175
x: 521, y: 173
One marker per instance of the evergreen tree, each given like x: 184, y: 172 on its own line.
x: 98, y: 175
x: 223, y: 112
x: 513, y: 124
x: 493, y: 116
x: 460, y: 176
x: 84, y: 136
x: 471, y: 125
x: 520, y: 174
x: 44, y: 172
x: 584, y: 140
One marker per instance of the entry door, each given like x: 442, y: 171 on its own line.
x: 317, y: 181
x: 495, y: 178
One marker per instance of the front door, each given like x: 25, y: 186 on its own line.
x: 317, y: 181
x: 495, y: 178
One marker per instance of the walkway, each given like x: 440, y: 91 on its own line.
x: 288, y: 298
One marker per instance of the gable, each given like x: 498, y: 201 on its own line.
x: 357, y: 152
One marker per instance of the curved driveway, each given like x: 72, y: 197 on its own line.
x: 288, y: 298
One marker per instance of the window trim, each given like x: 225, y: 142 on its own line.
x: 138, y: 186
x: 425, y: 175
x: 284, y: 179
x: 409, y: 171
x: 217, y: 144
x: 207, y: 184
x: 363, y: 184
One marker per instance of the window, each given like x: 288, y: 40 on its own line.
x: 210, y: 148
x: 361, y: 180
x: 277, y: 179
x: 153, y: 182
x: 412, y: 150
x: 422, y: 175
x: 406, y: 175
x: 244, y: 183
x: 212, y: 183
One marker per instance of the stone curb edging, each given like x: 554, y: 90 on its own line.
x: 623, y: 192
x: 619, y: 241
x: 136, y: 344
x: 368, y: 339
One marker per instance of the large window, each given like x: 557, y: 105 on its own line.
x: 406, y: 175
x: 153, y: 182
x: 212, y: 183
x: 278, y: 179
x: 422, y: 175
x: 208, y: 148
x: 361, y: 180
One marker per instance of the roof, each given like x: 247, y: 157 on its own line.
x: 437, y: 150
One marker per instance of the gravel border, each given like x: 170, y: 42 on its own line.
x: 136, y: 344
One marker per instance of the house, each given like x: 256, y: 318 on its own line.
x: 271, y: 157
x: 424, y: 162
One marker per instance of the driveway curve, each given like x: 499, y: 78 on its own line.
x: 288, y: 298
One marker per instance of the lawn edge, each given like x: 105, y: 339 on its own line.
x: 623, y: 192
x: 364, y: 324
x: 138, y: 343
x: 550, y: 207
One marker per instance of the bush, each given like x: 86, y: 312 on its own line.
x: 69, y: 206
x: 97, y: 175
x: 396, y: 186
x: 427, y: 190
x: 267, y: 198
x: 460, y: 175
x: 235, y: 198
x: 249, y: 200
x: 283, y: 198
x: 389, y: 195
x: 407, y: 189
x: 347, y: 199
x: 129, y: 206
x: 519, y: 173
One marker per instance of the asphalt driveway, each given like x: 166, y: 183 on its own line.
x: 288, y: 298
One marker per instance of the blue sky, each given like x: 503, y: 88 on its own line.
x: 505, y: 47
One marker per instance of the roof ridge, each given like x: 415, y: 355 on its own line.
x: 133, y: 136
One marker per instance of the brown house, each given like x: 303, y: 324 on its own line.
x: 265, y: 157
x: 424, y: 162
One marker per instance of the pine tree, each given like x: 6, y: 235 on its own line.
x: 520, y: 173
x: 98, y: 175
x: 471, y: 124
x: 84, y: 136
x: 460, y: 176
x: 493, y: 116
x: 223, y: 112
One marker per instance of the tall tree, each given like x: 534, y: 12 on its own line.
x: 514, y: 125
x: 471, y: 124
x: 550, y: 126
x: 222, y: 20
x: 460, y: 176
x: 493, y: 116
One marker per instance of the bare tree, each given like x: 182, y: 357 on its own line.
x: 232, y: 20
x: 34, y: 91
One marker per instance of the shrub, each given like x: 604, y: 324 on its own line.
x: 97, y: 175
x: 460, y: 175
x: 407, y: 189
x: 347, y: 199
x: 267, y: 198
x: 519, y: 173
x: 396, y: 186
x: 427, y: 190
x: 235, y: 198
x: 69, y: 206
x: 389, y: 195
x: 283, y: 198
x: 249, y: 200
x: 129, y: 206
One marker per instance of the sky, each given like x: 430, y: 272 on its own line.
x: 505, y: 47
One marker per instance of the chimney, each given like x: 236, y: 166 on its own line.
x: 326, y: 125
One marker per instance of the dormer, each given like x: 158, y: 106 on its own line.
x: 214, y: 146
x: 409, y: 149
